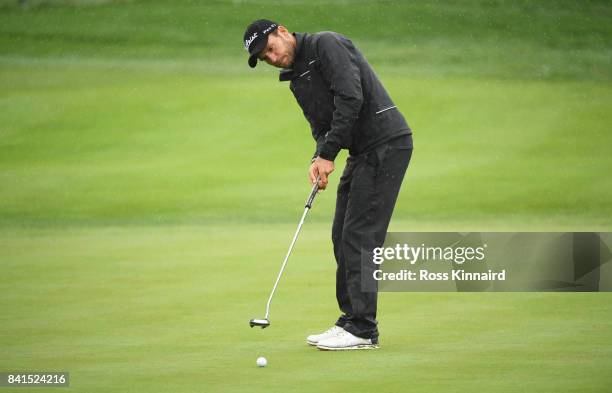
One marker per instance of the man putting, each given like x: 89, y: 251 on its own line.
x: 347, y: 108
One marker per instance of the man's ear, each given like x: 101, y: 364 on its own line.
x: 282, y: 29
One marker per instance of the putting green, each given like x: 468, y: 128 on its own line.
x: 167, y: 308
x: 92, y: 144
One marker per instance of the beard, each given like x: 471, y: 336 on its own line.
x: 287, y: 60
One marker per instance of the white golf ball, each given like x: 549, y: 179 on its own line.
x: 262, y: 362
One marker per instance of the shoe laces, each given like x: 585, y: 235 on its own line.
x: 343, y: 333
x: 335, y: 329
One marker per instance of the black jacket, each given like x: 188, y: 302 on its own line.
x: 342, y: 99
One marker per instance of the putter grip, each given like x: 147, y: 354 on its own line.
x: 313, y: 194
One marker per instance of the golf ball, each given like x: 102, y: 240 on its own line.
x: 261, y: 362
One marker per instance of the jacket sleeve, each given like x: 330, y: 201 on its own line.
x: 339, y: 67
x: 319, y: 138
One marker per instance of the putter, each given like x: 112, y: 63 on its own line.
x: 265, y: 322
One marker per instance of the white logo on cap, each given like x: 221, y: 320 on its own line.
x: 266, y: 31
x: 249, y: 40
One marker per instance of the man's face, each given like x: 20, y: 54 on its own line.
x: 280, y: 49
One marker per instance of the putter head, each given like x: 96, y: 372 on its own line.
x: 264, y: 323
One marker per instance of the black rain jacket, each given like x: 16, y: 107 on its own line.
x: 341, y: 97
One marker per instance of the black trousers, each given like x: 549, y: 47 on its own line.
x: 366, y: 197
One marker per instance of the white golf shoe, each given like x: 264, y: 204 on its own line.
x: 314, y: 339
x: 345, y: 341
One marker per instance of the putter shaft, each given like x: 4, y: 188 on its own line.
x: 313, y: 193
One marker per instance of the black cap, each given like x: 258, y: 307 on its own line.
x: 256, y: 38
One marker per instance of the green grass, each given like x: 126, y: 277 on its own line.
x: 122, y: 146
x: 539, y: 40
x: 166, y: 308
x: 150, y: 183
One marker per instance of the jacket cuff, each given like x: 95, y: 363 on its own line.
x: 328, y: 153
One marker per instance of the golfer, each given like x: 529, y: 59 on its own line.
x: 347, y: 108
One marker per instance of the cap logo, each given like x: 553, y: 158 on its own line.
x: 249, y: 41
x: 266, y: 31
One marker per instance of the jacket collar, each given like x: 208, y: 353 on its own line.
x: 299, y: 47
x: 288, y: 73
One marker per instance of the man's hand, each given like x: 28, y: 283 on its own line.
x: 322, y: 168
